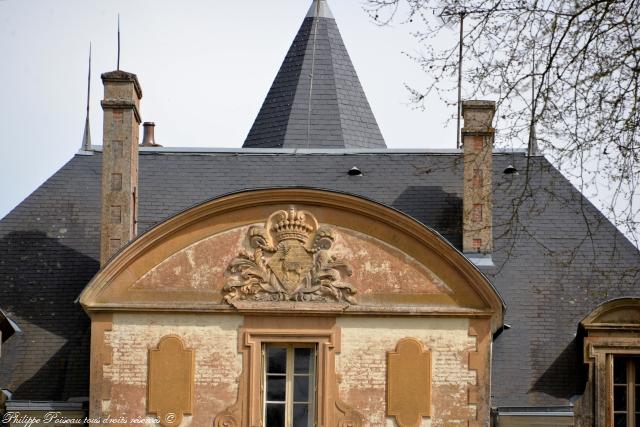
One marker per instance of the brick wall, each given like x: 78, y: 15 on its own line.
x: 217, y: 362
x: 362, y: 365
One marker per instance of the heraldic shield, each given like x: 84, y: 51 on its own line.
x: 289, y: 260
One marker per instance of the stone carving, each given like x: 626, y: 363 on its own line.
x: 289, y: 260
x: 346, y: 416
x: 171, y: 375
x: 226, y: 419
x: 232, y: 416
x: 409, y: 383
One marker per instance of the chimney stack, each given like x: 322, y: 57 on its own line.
x: 477, y: 205
x: 121, y: 105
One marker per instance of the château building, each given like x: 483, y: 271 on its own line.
x: 314, y: 277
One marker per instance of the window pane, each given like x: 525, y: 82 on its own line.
x: 635, y: 362
x: 637, y: 398
x: 275, y: 415
x: 620, y: 398
x: 300, y: 389
x: 302, y: 359
x: 300, y: 415
x: 619, y: 420
x: 276, y: 360
x: 619, y: 371
x: 276, y: 387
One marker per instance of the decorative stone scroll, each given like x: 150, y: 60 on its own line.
x: 289, y: 260
x: 171, y: 375
x: 227, y: 419
x: 409, y: 383
x: 346, y: 416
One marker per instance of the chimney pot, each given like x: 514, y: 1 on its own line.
x: 148, y: 138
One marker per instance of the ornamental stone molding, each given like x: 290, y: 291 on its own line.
x: 171, y: 380
x: 289, y: 259
x: 409, y: 383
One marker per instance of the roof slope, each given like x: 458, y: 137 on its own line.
x: 316, y: 100
x: 48, y: 251
x: 556, y: 256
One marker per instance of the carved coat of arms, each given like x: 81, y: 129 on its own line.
x: 289, y: 260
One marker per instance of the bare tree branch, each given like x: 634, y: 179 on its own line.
x: 584, y: 111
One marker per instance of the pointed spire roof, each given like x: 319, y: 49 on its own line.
x: 316, y: 100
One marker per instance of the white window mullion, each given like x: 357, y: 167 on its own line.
x: 289, y: 392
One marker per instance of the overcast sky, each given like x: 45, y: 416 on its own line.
x: 204, y: 66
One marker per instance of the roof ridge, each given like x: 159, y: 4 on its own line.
x: 303, y: 151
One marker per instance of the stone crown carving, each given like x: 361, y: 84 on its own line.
x: 288, y: 259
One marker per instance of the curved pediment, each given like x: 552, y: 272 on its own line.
x: 293, y: 249
x: 620, y: 313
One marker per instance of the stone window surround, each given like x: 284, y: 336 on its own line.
x: 611, y: 329
x: 255, y: 339
x: 259, y: 331
x: 600, y: 352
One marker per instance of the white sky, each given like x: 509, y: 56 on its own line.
x: 204, y: 66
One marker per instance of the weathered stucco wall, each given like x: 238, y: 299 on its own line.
x: 217, y: 362
x: 380, y: 271
x: 357, y: 264
x: 362, y: 365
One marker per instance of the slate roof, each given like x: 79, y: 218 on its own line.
x: 316, y: 100
x: 556, y: 256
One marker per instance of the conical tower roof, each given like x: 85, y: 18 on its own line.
x: 316, y: 100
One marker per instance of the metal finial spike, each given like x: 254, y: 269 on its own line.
x: 86, y: 137
x: 118, y: 65
x: 89, y: 81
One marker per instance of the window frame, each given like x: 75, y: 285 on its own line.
x: 632, y: 363
x: 321, y: 332
x: 318, y: 330
x: 289, y: 380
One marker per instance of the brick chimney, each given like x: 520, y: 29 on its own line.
x: 121, y: 105
x: 477, y: 205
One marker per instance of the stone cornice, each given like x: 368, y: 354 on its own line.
x: 121, y: 104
